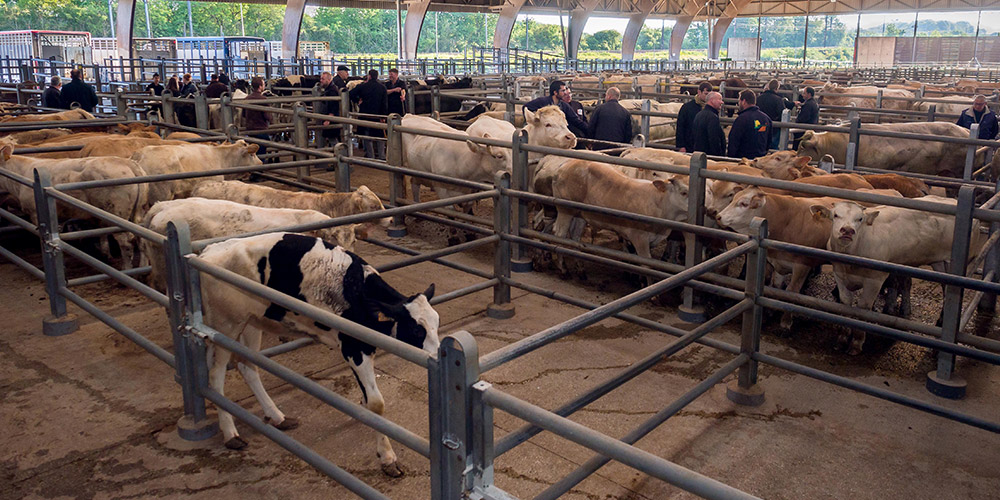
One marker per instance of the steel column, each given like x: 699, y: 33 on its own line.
x: 294, y: 12
x: 449, y: 382
x: 394, y: 157
x: 690, y: 312
x: 745, y: 390
x: 501, y: 308
x: 60, y: 322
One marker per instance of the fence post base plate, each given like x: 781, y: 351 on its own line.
x: 57, y: 327
x: 500, y: 311
x: 521, y: 266
x: 396, y: 231
x: 752, y: 396
x: 693, y: 314
x: 953, y: 388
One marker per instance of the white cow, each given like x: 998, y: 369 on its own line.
x: 889, y: 234
x: 325, y: 276
x: 189, y: 158
x: 214, y: 218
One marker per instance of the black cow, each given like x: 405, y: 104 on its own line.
x: 422, y: 99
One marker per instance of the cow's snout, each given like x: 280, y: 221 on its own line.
x: 847, y: 233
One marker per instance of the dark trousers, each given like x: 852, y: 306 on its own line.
x: 263, y: 149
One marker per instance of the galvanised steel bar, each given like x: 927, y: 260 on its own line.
x: 290, y: 346
x: 450, y: 377
x: 86, y: 280
x: 136, y: 338
x: 416, y: 173
x: 502, y: 252
x: 19, y: 222
x: 982, y: 253
x: 951, y: 314
x: 756, y: 265
x: 22, y: 126
x: 454, y: 265
x: 310, y: 387
x: 461, y: 292
x: 551, y: 334
x: 105, y: 216
x: 23, y: 264
x: 877, y: 392
x: 685, y: 338
x: 48, y: 149
x: 52, y: 252
x: 113, y: 273
x: 90, y: 233
x: 447, y: 221
x: 296, y: 448
x: 977, y: 297
x: 642, y: 461
x: 940, y: 345
x: 591, y: 466
x: 435, y: 254
x: 359, y: 332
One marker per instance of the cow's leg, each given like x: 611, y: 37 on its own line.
x: 941, y: 267
x: 372, y: 399
x: 562, y: 227
x: 126, y: 243
x: 869, y: 293
x: 217, y: 380
x: 846, y: 297
x: 799, y: 274
x: 272, y: 415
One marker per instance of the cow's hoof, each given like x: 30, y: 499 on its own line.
x: 287, y: 424
x: 392, y: 470
x: 236, y: 443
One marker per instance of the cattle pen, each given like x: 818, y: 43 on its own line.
x: 460, y: 441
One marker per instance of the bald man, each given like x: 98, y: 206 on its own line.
x: 610, y: 121
x: 706, y: 131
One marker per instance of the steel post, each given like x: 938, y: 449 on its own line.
x: 60, y: 322
x: 501, y: 308
x: 201, y: 110
x: 644, y: 119
x: 519, y: 180
x: 988, y: 303
x: 688, y: 311
x: 343, y: 168
x: 435, y: 99
x: 394, y: 157
x: 943, y: 382
x: 301, y: 138
x: 189, y: 352
x: 786, y: 117
x: 449, y: 382
x: 121, y: 104
x: 878, y: 105
x: 167, y: 105
x: 853, y: 144
x: 931, y: 112
x: 745, y: 390
x: 345, y: 129
x: 228, y: 119
x: 970, y: 153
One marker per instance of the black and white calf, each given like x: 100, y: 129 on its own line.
x: 325, y: 276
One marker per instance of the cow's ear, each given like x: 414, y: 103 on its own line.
x: 757, y: 201
x: 252, y: 149
x: 870, y: 217
x: 122, y: 128
x: 793, y: 173
x: 808, y: 136
x: 659, y: 184
x: 6, y: 152
x: 529, y: 116
x: 429, y: 292
x: 472, y: 146
x: 802, y: 161
x: 821, y: 212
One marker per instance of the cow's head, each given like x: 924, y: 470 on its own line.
x: 809, y: 145
x: 248, y: 154
x: 416, y: 321
x: 365, y: 200
x: 784, y: 165
x: 746, y: 205
x: 674, y: 203
x: 719, y: 194
x: 548, y: 127
x: 6, y: 151
x: 848, y: 218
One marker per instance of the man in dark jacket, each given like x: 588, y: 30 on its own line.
x: 373, y: 101
x: 808, y: 113
x: 256, y: 122
x: 396, y: 90
x: 51, y: 97
x: 685, y: 118
x: 773, y: 105
x: 216, y: 88
x: 340, y: 80
x: 751, y: 132
x: 328, y: 88
x: 706, y: 131
x: 155, y: 86
x: 556, y: 91
x: 187, y: 86
x: 78, y: 92
x: 610, y: 121
x: 577, y: 107
x: 981, y: 114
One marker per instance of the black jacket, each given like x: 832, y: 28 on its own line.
x: 809, y: 113
x: 253, y: 119
x: 339, y: 82
x: 372, y: 96
x: 79, y: 92
x: 215, y: 90
x: 329, y: 107
x: 396, y: 99
x: 685, y: 124
x: 987, y: 122
x: 188, y: 89
x: 156, y: 88
x: 610, y: 122
x: 750, y: 135
x: 51, y: 98
x: 707, y: 134
x: 773, y: 104
x: 571, y: 119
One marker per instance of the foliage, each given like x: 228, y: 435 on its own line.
x: 602, y: 40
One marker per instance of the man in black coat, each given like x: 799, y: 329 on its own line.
x: 396, y: 90
x: 610, y: 121
x: 51, y: 97
x: 706, y: 131
x: 340, y: 80
x: 567, y: 97
x: 684, y: 140
x: 808, y: 113
x: 751, y: 133
x: 373, y: 101
x: 328, y: 88
x: 773, y: 105
x: 216, y: 88
x: 556, y: 91
x: 78, y: 92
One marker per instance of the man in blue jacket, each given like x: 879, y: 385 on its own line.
x: 981, y: 114
x: 751, y: 132
x: 555, y: 98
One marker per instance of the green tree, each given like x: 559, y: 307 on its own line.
x: 604, y: 40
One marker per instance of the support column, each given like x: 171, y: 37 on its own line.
x: 505, y: 24
x: 126, y: 16
x: 677, y: 36
x: 577, y: 21
x: 718, y: 33
x: 294, y: 11
x: 415, y: 13
x: 635, y: 22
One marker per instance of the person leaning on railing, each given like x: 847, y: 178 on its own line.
x: 51, y: 98
x: 256, y: 120
x: 78, y: 92
x: 981, y: 114
x: 808, y: 113
x: 773, y: 105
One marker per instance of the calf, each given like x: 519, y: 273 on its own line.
x: 842, y: 181
x: 215, y: 218
x: 330, y: 204
x: 889, y: 234
x: 325, y: 276
x: 907, y: 186
x: 190, y: 158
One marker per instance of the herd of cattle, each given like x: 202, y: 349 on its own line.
x: 320, y: 269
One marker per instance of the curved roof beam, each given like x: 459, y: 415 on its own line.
x: 505, y: 24
x: 123, y: 35
x: 635, y: 22
x: 677, y: 36
x: 577, y: 21
x: 415, y: 12
x: 292, y: 27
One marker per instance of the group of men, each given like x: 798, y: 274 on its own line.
x: 373, y: 97
x: 76, y: 93
x: 752, y: 133
x: 610, y: 122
